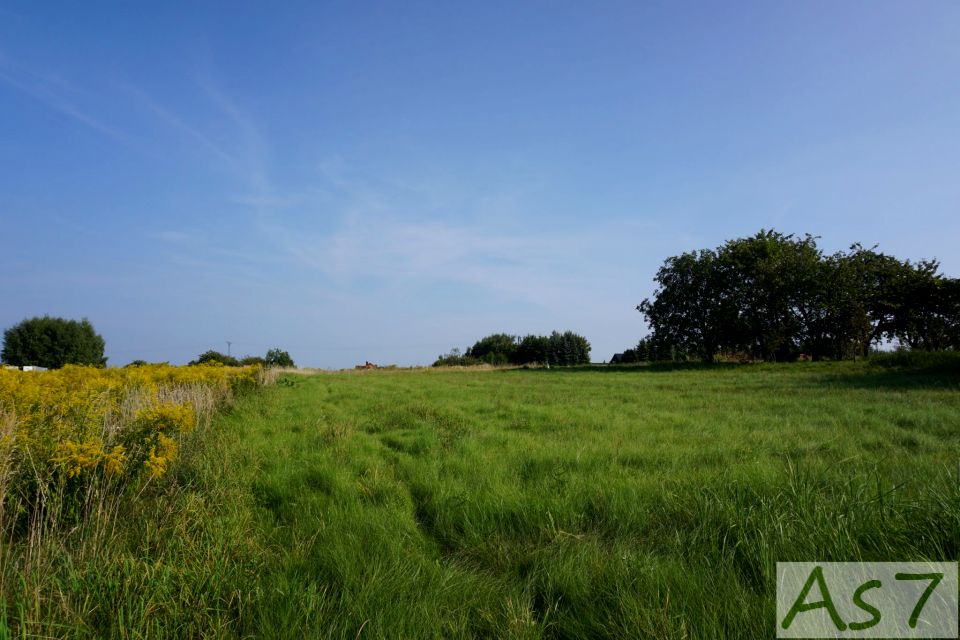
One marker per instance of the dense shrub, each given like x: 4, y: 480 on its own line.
x: 274, y: 358
x: 498, y: 349
x: 455, y: 359
x: 211, y: 356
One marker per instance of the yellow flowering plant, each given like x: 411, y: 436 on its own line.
x: 66, y: 428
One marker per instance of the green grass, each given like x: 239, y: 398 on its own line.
x: 599, y: 502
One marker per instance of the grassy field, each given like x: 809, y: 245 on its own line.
x: 591, y: 503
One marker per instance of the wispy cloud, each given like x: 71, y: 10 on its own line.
x: 181, y: 238
x: 545, y: 269
x: 278, y: 201
x: 58, y: 95
x: 244, y: 154
x: 170, y: 118
x: 254, y: 149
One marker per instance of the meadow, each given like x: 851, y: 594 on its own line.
x: 594, y: 502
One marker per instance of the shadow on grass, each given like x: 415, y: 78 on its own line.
x: 876, y: 378
x: 915, y: 373
x: 643, y: 367
x: 904, y: 370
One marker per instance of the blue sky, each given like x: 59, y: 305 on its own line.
x: 384, y: 181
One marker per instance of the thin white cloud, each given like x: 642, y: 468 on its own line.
x: 254, y: 149
x: 412, y: 235
x: 52, y: 92
x: 535, y: 267
x: 270, y: 202
x: 245, y: 155
x: 173, y: 120
x: 176, y: 237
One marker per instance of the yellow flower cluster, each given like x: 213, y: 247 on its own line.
x: 77, y: 423
x: 167, y: 417
x: 78, y: 458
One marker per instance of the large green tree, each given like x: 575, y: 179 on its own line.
x: 774, y: 281
x: 53, y: 342
x: 692, y: 310
x: 775, y: 296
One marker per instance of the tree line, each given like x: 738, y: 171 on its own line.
x: 51, y: 343
x: 557, y: 349
x: 273, y: 358
x: 770, y: 296
x: 774, y: 297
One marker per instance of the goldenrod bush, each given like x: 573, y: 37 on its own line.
x: 65, y: 435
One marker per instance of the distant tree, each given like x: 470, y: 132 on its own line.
x: 252, y: 360
x: 532, y: 349
x: 278, y: 358
x: 496, y: 349
x: 211, y: 356
x: 643, y: 352
x: 567, y: 349
x: 560, y: 349
x: 52, y: 342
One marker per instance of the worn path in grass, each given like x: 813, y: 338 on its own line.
x: 622, y: 503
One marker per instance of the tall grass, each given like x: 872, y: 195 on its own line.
x: 80, y: 469
x: 593, y: 503
x: 607, y: 503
